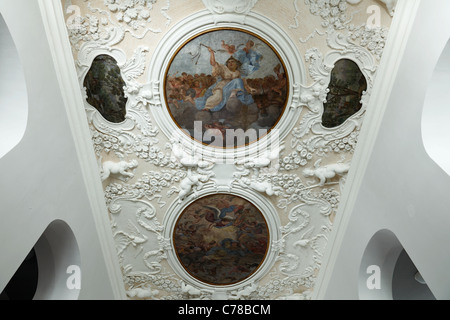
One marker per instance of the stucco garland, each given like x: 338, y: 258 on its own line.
x: 140, y: 207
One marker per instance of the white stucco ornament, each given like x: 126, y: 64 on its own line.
x: 390, y: 4
x: 193, y: 182
x: 142, y: 293
x: 198, y: 173
x: 224, y: 10
x: 194, y: 293
x: 230, y: 6
x: 268, y: 172
x: 327, y: 172
x: 118, y: 168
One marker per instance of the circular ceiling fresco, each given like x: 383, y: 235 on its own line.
x: 226, y: 88
x: 221, y: 239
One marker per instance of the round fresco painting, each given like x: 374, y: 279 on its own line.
x: 221, y: 239
x: 226, y: 88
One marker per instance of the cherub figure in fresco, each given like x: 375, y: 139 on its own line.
x: 281, y: 80
x: 231, y: 49
x: 222, y: 214
x: 229, y: 84
x: 222, y: 128
x: 249, y: 57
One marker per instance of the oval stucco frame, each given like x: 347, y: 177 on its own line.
x: 203, y: 22
x: 266, y: 208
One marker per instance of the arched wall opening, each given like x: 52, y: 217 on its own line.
x: 436, y: 113
x: 388, y: 273
x: 13, y: 93
x: 51, y: 271
x: 23, y: 285
x: 407, y: 282
x: 59, y: 263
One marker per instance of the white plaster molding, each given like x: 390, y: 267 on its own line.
x: 390, y: 4
x: 198, y: 173
x: 266, y: 163
x: 327, y: 172
x: 224, y: 10
x: 150, y: 95
x: 120, y: 169
x: 142, y: 293
x: 110, y: 25
x: 307, y: 233
x: 230, y: 6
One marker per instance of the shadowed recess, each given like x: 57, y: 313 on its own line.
x: 23, y: 284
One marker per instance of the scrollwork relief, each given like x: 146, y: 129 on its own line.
x: 332, y: 12
x: 237, y: 7
x: 336, y: 16
x: 149, y: 176
x: 390, y: 4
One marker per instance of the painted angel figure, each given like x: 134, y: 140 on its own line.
x: 223, y: 217
x: 249, y: 57
x: 229, y: 83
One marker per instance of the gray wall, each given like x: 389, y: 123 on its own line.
x: 41, y: 179
x: 404, y: 197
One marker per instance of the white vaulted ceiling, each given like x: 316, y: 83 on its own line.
x: 298, y: 188
x: 331, y: 194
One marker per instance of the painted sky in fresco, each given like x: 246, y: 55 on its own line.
x: 194, y: 58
